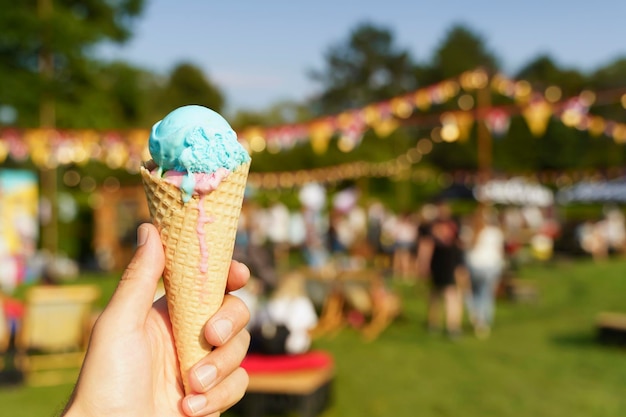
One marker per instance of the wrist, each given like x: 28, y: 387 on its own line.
x: 73, y: 409
x: 69, y: 412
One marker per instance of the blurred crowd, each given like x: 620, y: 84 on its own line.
x: 463, y: 257
x: 604, y: 236
x: 336, y: 261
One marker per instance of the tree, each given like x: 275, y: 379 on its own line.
x: 130, y: 93
x: 564, y: 147
x: 280, y: 113
x: 461, y: 50
x: 610, y: 80
x: 543, y: 72
x: 365, y: 68
x: 46, y: 54
x: 187, y: 84
x: 610, y: 76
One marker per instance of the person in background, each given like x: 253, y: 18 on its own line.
x: 376, y: 214
x: 405, y: 235
x: 439, y: 257
x: 485, y: 260
x: 315, y: 248
x: 251, y: 244
x: 278, y: 233
x: 131, y: 368
x: 337, y: 222
x: 287, y: 319
x: 615, y: 230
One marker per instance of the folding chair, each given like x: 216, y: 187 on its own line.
x: 53, y: 337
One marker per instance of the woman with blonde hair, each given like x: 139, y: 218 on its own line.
x: 485, y: 260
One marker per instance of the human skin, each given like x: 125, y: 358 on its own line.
x: 131, y: 368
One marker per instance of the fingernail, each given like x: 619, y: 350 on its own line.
x: 206, y: 374
x: 196, y: 403
x: 223, y: 328
x: 142, y: 235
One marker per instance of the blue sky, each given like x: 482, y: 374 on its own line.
x: 259, y: 52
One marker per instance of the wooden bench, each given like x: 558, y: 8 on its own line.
x: 356, y: 297
x: 283, y: 384
x: 611, y: 328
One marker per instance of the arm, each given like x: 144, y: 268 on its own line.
x: 425, y: 248
x: 131, y: 367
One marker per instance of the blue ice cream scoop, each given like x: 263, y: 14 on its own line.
x: 195, y: 139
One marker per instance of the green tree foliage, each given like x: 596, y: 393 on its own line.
x: 563, y: 147
x: 610, y: 76
x: 280, y: 113
x: 47, y: 55
x: 365, y: 68
x: 130, y: 93
x: 461, y: 50
x: 59, y: 36
x: 517, y: 150
x: 187, y: 84
x: 543, y: 72
x: 612, y: 80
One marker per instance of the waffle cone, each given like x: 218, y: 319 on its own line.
x: 198, y: 238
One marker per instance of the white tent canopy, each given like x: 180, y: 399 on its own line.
x: 613, y: 191
x: 514, y: 191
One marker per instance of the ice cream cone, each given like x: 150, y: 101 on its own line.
x: 198, y: 239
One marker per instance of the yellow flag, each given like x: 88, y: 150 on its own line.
x: 321, y: 132
x: 537, y: 114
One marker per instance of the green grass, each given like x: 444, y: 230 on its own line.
x: 541, y: 360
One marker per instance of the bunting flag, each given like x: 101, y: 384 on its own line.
x: 498, y: 122
x: 126, y: 149
x: 385, y: 127
x: 574, y: 111
x: 402, y: 107
x: 383, y: 117
x: 618, y: 132
x: 465, y: 121
x: 456, y: 126
x: 422, y: 100
x: 450, y: 131
x: 321, y: 131
x: 352, y: 126
x: 50, y: 148
x: 537, y: 114
x: 595, y: 125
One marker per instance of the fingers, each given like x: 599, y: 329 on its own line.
x: 237, y: 276
x: 220, y: 363
x: 229, y: 320
x: 218, y: 380
x: 133, y: 297
x: 220, y: 398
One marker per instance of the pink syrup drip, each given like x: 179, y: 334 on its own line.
x: 205, y: 184
x: 203, y: 218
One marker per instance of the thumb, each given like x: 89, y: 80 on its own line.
x: 134, y: 294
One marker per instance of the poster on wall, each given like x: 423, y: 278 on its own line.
x: 19, y: 227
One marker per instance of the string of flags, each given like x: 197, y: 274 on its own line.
x: 49, y: 148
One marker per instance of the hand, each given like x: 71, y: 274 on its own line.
x: 131, y: 367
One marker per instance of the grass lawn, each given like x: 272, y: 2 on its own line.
x: 541, y: 360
